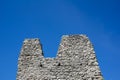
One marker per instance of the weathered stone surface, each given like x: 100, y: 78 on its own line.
x: 75, y: 60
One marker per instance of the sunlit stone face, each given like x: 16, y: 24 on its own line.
x: 75, y: 60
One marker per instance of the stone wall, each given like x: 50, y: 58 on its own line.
x: 75, y: 60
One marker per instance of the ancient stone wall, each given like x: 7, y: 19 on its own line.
x: 75, y: 60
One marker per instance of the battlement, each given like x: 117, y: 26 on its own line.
x: 75, y: 60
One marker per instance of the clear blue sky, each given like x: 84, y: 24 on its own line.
x: 50, y: 19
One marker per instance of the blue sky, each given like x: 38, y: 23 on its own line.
x: 50, y: 19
